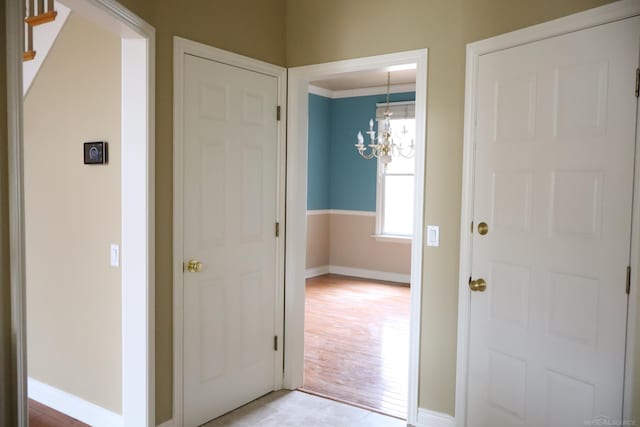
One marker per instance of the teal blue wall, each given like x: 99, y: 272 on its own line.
x: 348, y: 181
x: 319, y: 140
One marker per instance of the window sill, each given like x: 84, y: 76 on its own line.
x: 391, y: 238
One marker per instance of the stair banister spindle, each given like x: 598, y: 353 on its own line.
x: 40, y: 7
x: 30, y: 8
x: 50, y: 7
x: 30, y: 53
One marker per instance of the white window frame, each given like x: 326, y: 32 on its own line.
x: 404, y: 110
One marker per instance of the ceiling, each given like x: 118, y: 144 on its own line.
x: 365, y: 79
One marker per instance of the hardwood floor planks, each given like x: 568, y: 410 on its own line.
x: 357, y: 342
x: 43, y: 416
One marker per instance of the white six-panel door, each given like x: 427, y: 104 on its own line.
x: 230, y: 201
x: 554, y: 159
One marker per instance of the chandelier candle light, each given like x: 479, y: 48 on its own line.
x: 385, y: 147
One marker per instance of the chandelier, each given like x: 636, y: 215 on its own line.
x: 384, y: 145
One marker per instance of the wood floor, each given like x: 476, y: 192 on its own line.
x: 357, y: 342
x: 43, y: 416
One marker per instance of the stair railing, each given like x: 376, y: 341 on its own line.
x: 37, y: 12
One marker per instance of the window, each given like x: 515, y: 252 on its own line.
x: 395, y: 184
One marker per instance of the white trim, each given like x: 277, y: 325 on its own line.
x: 168, y: 423
x: 370, y: 274
x: 427, y: 418
x: 357, y: 272
x: 367, y: 91
x: 138, y: 326
x: 299, y: 78
x: 183, y: 47
x: 320, y: 91
x: 138, y: 232
x: 316, y: 271
x: 15, y: 46
x: 318, y: 212
x: 73, y: 406
x: 597, y: 16
x: 390, y: 238
x: 632, y: 308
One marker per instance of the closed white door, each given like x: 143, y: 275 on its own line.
x: 230, y: 202
x: 554, y: 180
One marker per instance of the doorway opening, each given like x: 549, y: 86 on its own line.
x: 349, y: 259
x: 127, y: 312
x: 359, y: 229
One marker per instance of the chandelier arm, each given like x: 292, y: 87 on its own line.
x: 369, y: 156
x: 407, y: 154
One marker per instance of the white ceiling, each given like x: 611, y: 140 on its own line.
x: 366, y: 79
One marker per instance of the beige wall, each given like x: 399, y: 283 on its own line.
x: 318, y: 229
x: 346, y: 241
x: 351, y: 245
x: 255, y: 28
x: 73, y: 215
x: 342, y: 29
x: 7, y: 394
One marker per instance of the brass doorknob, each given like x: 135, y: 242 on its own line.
x: 194, y: 266
x: 483, y: 228
x: 478, y: 285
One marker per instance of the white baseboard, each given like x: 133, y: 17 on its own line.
x: 316, y: 271
x: 72, y: 406
x: 357, y: 272
x: 370, y: 274
x: 168, y: 423
x: 427, y: 418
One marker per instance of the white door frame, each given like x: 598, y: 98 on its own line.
x: 579, y: 21
x: 138, y: 213
x: 297, y: 148
x: 183, y: 47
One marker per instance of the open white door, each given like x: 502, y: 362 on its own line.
x: 554, y: 165
x: 230, y: 206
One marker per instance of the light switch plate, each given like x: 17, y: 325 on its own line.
x: 433, y: 235
x: 115, y: 256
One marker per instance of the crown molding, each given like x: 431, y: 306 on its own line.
x: 367, y: 91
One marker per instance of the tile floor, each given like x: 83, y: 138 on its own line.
x: 298, y: 409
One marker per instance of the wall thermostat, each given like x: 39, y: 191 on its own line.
x: 96, y: 153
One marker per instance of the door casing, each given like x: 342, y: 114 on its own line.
x: 297, y: 149
x: 138, y: 213
x: 597, y: 16
x: 183, y: 47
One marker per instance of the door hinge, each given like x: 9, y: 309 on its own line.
x: 278, y: 113
x: 275, y: 343
x: 628, y: 280
x: 637, y: 82
x: 277, y: 229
